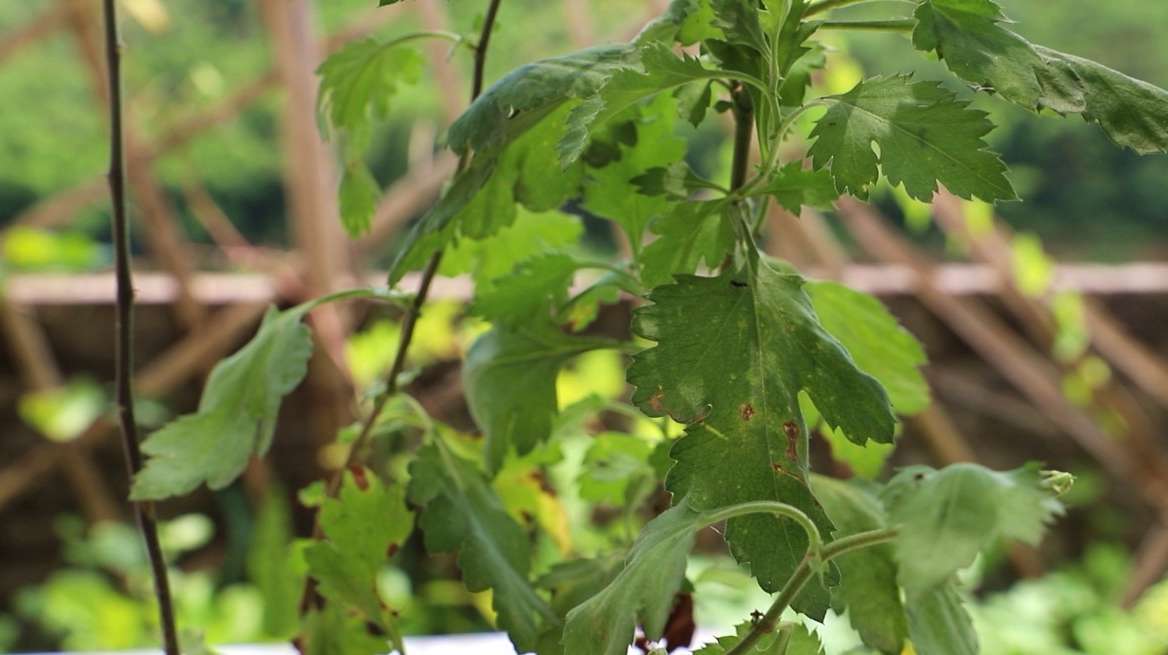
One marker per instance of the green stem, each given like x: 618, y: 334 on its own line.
x: 814, y: 540
x: 828, y: 5
x: 799, y: 579
x: 892, y: 25
x: 457, y: 39
x: 414, y: 311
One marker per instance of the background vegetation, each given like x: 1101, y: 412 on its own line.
x: 1084, y: 198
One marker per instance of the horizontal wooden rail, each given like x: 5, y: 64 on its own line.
x: 885, y: 280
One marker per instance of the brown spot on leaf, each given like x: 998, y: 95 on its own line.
x: 777, y: 467
x: 391, y: 551
x: 792, y: 432
x: 747, y: 411
x: 655, y: 403
x: 359, y: 477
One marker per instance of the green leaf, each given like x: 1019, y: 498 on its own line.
x: 484, y: 199
x: 732, y: 354
x: 1132, y: 112
x: 801, y: 642
x: 877, y: 343
x: 363, y: 526
x: 358, y: 197
x: 527, y: 295
x: 331, y: 631
x: 867, y: 588
x: 691, y: 234
x: 236, y: 419
x: 615, y: 465
x: 274, y: 568
x: 462, y: 512
x: 938, y: 623
x: 610, y: 191
x: 531, y: 234
x: 794, y: 187
x: 947, y: 517
x: 642, y: 593
x: 510, y: 381
x: 358, y: 82
x: 658, y: 69
x: 969, y: 36
x: 570, y: 584
x: 526, y: 95
x: 357, y: 85
x: 925, y: 134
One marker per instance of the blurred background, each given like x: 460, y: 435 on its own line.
x: 1044, y: 321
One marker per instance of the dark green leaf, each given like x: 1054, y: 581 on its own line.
x: 484, y: 199
x: 795, y: 187
x: 970, y: 37
x: 510, y: 377
x: 802, y: 642
x: 643, y: 592
x: 462, y: 512
x: 926, y: 137
x: 732, y: 354
x: 691, y: 234
x: 611, y: 192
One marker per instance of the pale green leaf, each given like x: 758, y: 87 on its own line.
x: 362, y: 526
x: 462, y: 512
x: 358, y: 197
x: 939, y: 624
x: 877, y: 343
x: 529, y: 235
x: 925, y: 134
x: 615, y: 465
x: 867, y: 587
x: 332, y: 631
x: 946, y: 517
x: 236, y: 419
x: 733, y: 353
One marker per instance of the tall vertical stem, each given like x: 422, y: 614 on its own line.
x: 124, y: 344
x: 410, y: 322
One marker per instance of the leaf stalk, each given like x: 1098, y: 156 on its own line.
x: 811, y: 561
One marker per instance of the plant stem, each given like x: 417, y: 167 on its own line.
x: 799, y: 579
x: 413, y: 313
x: 743, y: 130
x: 124, y: 341
x: 828, y: 5
x: 892, y: 25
